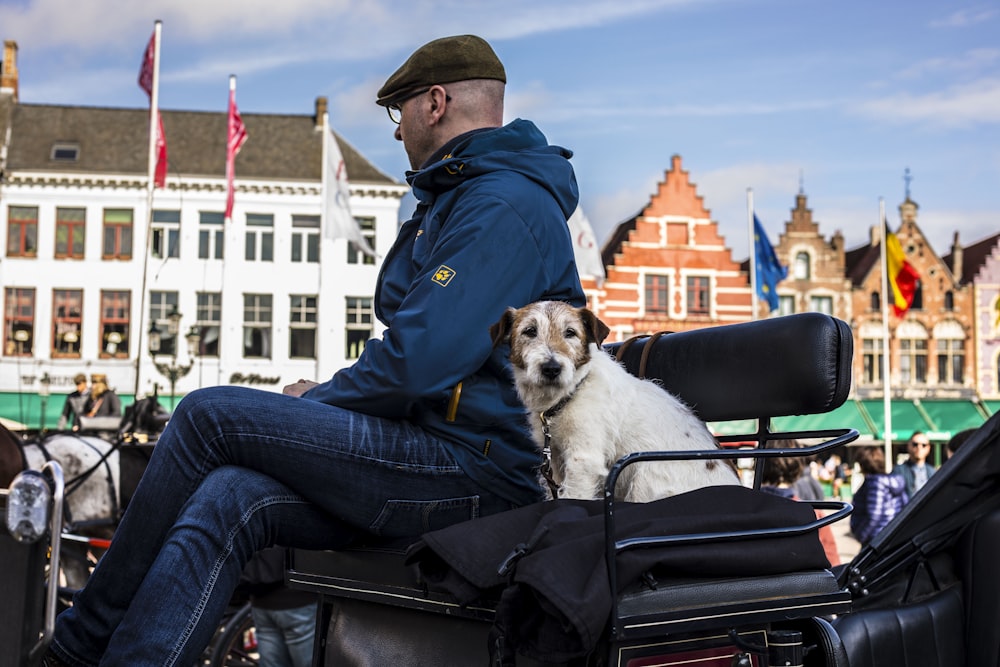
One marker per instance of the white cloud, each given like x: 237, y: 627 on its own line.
x: 965, y: 17
x: 959, y: 106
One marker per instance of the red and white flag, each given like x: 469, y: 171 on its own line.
x: 148, y: 81
x: 236, y: 137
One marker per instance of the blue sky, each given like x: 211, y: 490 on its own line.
x: 762, y: 94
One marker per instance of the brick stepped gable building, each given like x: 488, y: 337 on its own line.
x: 816, y: 280
x: 932, y: 348
x: 73, y: 210
x: 668, y: 268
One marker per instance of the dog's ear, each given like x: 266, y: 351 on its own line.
x: 500, y: 332
x: 597, y: 330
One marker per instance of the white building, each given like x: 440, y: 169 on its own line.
x: 268, y: 296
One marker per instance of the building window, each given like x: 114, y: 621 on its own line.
x: 913, y: 360
x: 166, y: 240
x: 209, y: 323
x: 951, y: 361
x: 19, y: 321
x: 71, y: 229
x: 211, y: 234
x: 65, y: 152
x: 657, y: 291
x: 115, y: 317
x: 359, y: 325
x: 821, y: 304
x: 802, y: 268
x: 257, y: 326
x: 260, y: 237
x: 302, y: 327
x: 305, y: 238
x: 117, y: 233
x: 161, y: 306
x: 367, y: 226
x: 699, y: 296
x: 22, y: 231
x: 875, y: 302
x: 67, y: 322
x: 786, y: 305
x: 949, y: 300
x: 871, y: 350
x: 918, y: 296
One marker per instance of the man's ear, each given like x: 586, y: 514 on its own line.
x: 500, y: 332
x: 597, y: 330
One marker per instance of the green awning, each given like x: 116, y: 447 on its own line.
x: 906, y: 418
x: 25, y: 408
x: 992, y: 407
x: 949, y: 417
x: 737, y: 426
x: 848, y: 415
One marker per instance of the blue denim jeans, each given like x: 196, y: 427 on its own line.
x: 285, y: 637
x: 235, y: 471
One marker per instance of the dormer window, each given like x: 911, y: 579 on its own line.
x: 66, y: 152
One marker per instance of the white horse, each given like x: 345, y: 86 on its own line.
x: 93, y: 472
x: 92, y: 500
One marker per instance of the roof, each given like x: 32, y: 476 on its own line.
x: 114, y: 140
x: 859, y: 262
x: 973, y: 258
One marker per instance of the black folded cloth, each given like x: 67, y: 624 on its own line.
x: 546, y: 561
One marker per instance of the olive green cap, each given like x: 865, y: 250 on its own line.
x: 444, y: 60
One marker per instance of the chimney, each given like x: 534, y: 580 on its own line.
x: 320, y: 110
x: 8, y: 69
x: 956, y: 259
x: 875, y: 234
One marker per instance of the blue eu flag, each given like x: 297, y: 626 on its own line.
x: 769, y: 271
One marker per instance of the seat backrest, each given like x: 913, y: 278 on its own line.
x: 792, y: 365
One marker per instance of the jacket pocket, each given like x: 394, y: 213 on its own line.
x: 408, y: 518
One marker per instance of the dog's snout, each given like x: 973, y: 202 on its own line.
x: 551, y: 369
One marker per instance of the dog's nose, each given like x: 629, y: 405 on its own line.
x: 551, y: 369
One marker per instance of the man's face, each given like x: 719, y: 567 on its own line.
x: 919, y: 447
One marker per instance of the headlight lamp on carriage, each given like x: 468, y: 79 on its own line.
x: 28, y: 501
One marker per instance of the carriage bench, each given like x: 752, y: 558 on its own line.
x: 376, y: 609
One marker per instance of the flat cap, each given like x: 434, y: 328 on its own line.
x: 444, y: 60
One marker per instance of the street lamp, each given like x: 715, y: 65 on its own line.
x: 173, y: 370
x: 44, y: 391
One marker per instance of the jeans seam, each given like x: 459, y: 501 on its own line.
x: 220, y: 561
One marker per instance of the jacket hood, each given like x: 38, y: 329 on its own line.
x: 519, y: 147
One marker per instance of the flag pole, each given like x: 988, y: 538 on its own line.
x: 323, y: 243
x: 753, y: 256
x: 154, y: 115
x: 886, y: 388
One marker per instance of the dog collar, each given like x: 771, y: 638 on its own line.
x: 546, y: 415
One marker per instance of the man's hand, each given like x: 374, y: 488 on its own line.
x: 299, y: 388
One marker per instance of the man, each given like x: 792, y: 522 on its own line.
x: 75, y: 405
x: 915, y: 471
x: 424, y: 430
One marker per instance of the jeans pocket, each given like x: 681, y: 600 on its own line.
x: 406, y: 518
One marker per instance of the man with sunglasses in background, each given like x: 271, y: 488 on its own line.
x: 916, y: 470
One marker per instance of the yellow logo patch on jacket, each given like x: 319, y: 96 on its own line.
x: 443, y: 275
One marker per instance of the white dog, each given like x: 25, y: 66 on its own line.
x: 590, y: 411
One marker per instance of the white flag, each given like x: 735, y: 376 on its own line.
x: 588, y: 255
x: 338, y: 223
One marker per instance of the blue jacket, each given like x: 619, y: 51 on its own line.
x: 489, y: 232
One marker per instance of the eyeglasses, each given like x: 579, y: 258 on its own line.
x: 395, y: 110
x: 920, y: 444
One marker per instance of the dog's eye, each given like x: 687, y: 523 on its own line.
x: 570, y: 333
x: 530, y: 332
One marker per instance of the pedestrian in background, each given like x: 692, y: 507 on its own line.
x: 879, y: 498
x: 75, y: 405
x: 915, y: 470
